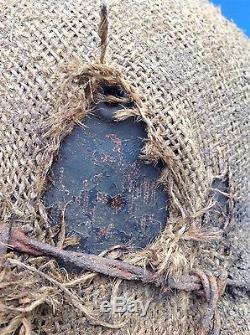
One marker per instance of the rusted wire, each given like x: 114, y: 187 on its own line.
x: 201, y: 282
x: 212, y: 290
x: 103, y: 31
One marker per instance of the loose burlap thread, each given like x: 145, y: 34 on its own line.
x: 188, y: 68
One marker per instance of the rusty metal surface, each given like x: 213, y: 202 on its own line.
x: 112, y: 196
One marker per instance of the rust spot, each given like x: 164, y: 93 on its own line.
x: 116, y: 202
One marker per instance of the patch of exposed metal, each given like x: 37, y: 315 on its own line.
x: 219, y: 214
x: 111, y: 196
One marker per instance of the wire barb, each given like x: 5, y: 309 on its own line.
x: 103, y: 31
x: 213, y: 290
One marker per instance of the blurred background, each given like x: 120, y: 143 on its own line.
x: 237, y: 11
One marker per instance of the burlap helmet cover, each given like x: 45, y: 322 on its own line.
x: 189, y: 67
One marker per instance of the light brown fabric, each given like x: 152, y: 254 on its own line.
x: 189, y: 66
